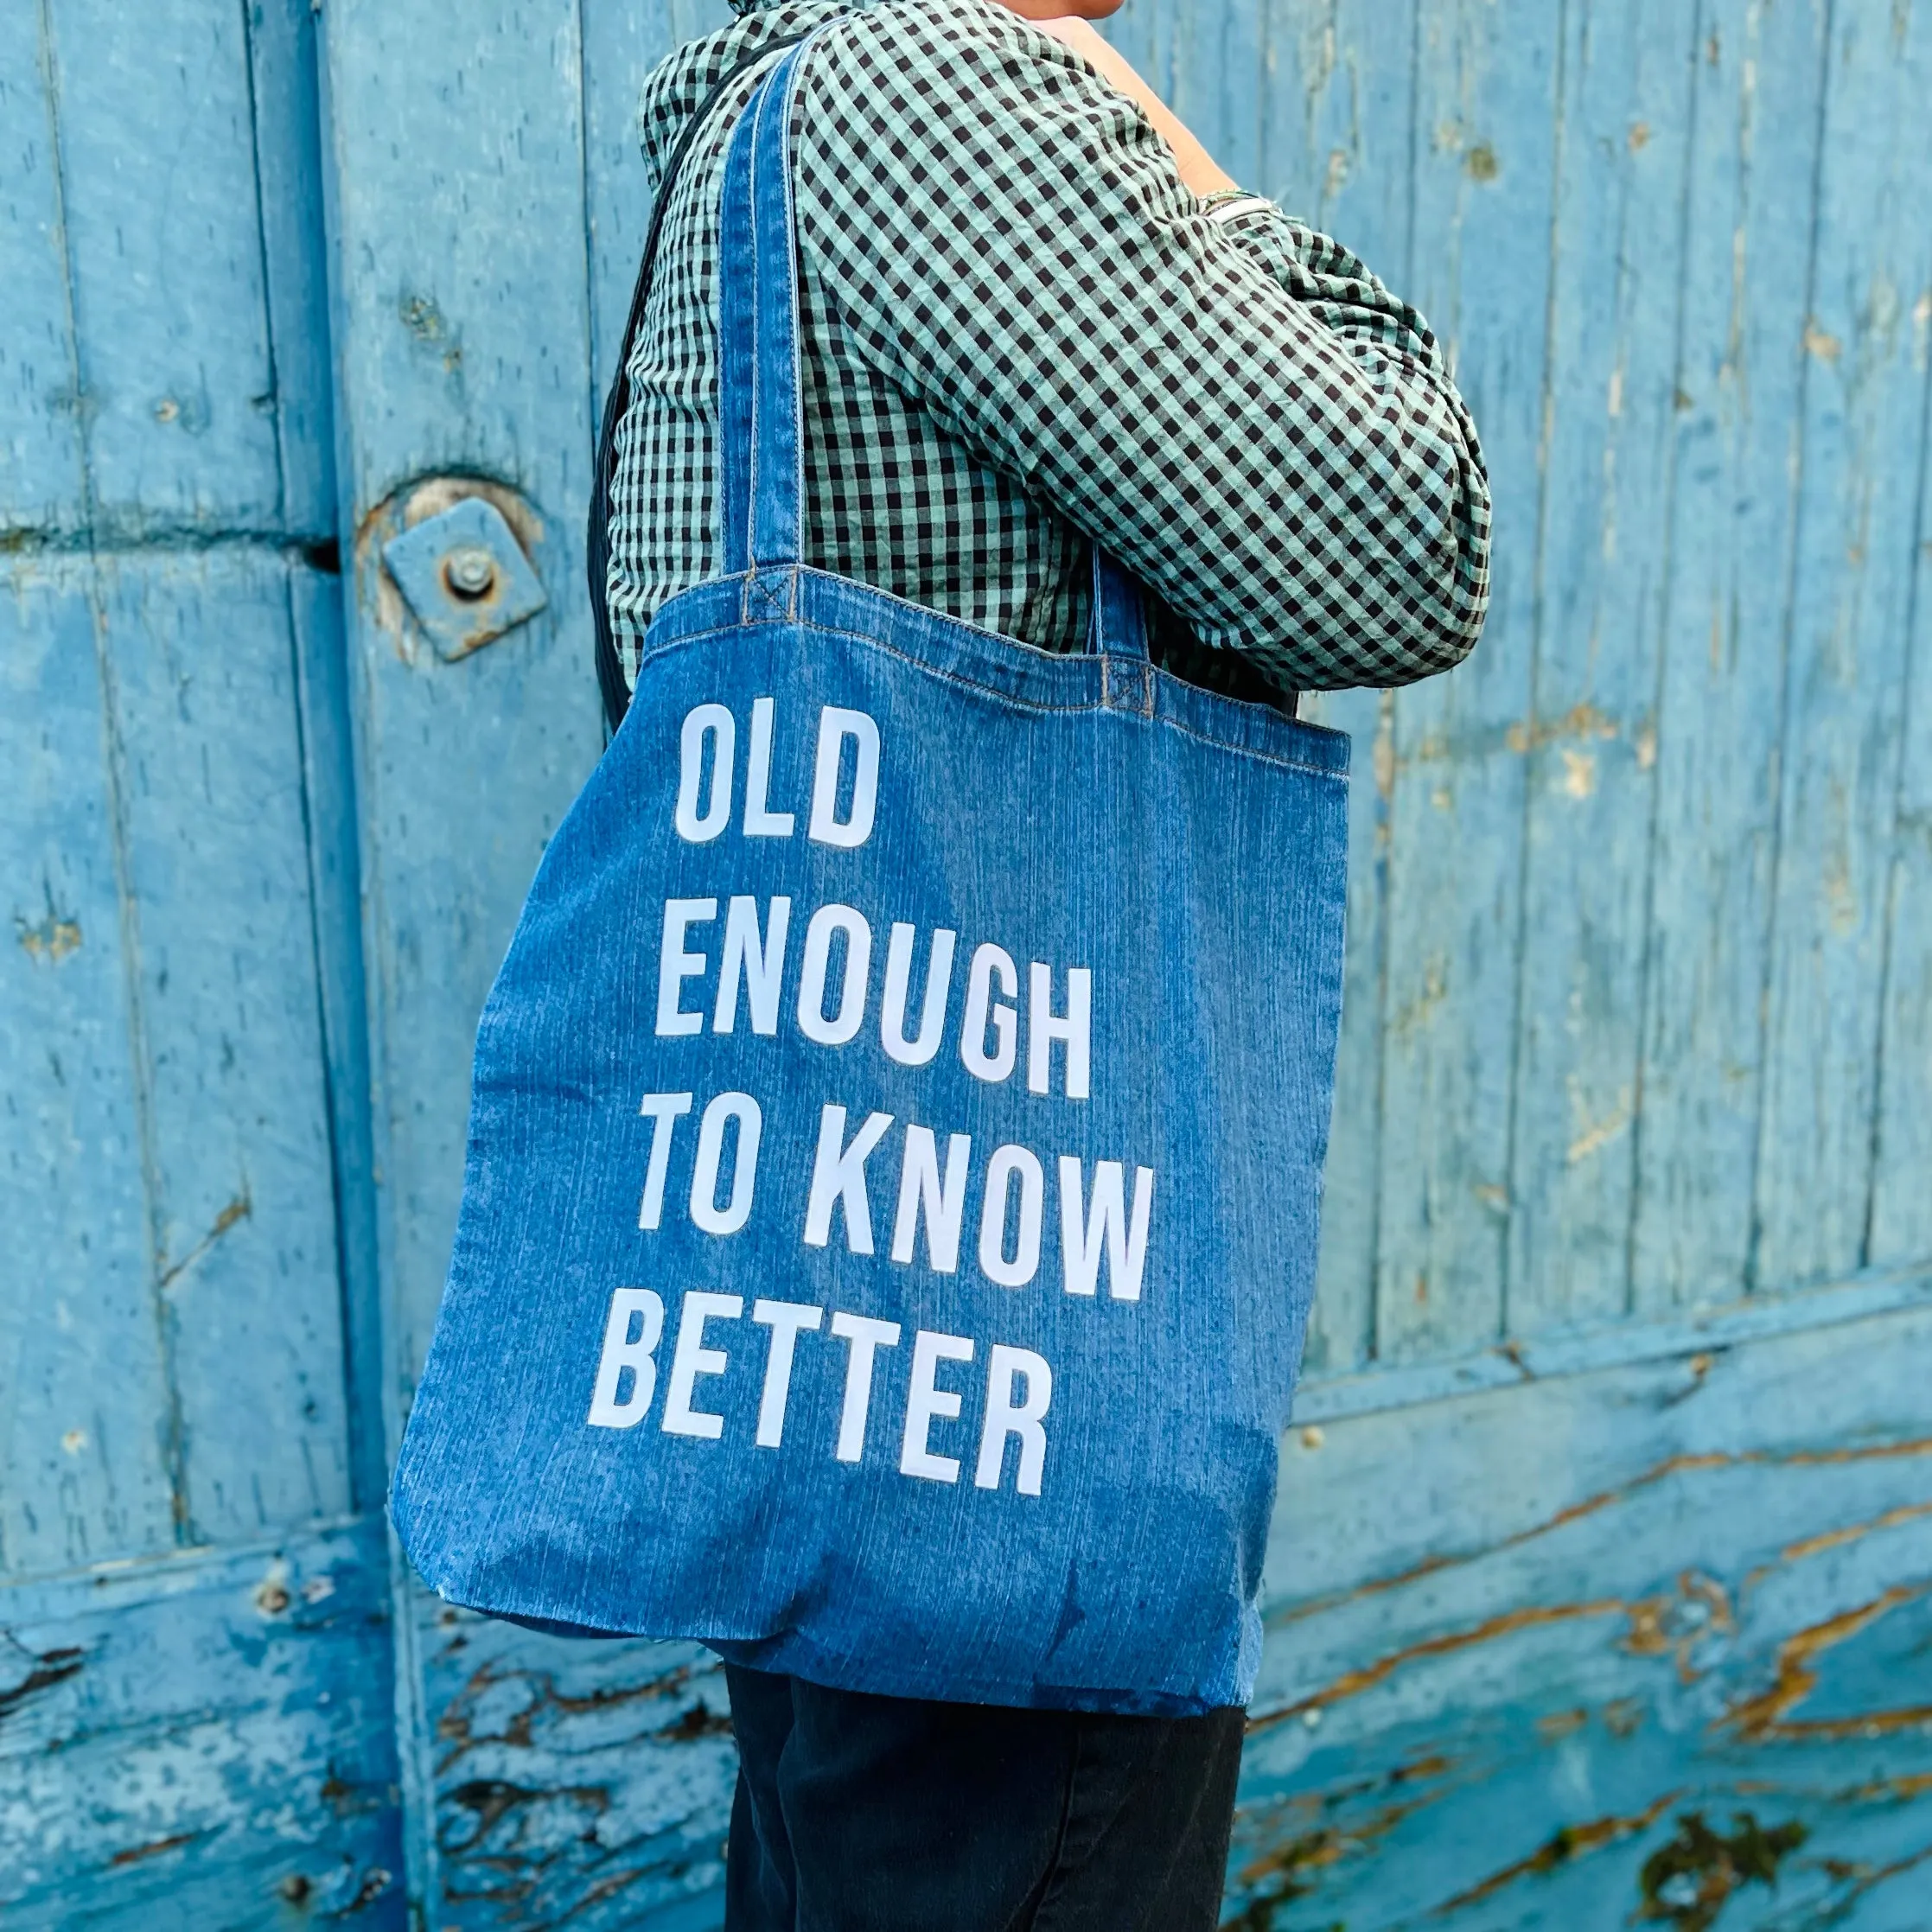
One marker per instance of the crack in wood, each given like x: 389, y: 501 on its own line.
x: 136, y: 1854
x: 1837, y: 1539
x: 1570, y: 1843
x: 1311, y: 1851
x: 1866, y: 1879
x: 238, y: 1209
x: 454, y: 1726
x: 1353, y: 1683
x: 1593, y: 1505
x: 50, y: 1668
x: 1763, y: 1719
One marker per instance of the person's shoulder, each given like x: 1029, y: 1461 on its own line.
x: 685, y: 79
x: 962, y: 49
x: 937, y: 27
x: 919, y: 73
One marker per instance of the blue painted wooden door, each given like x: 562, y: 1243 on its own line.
x: 195, y: 1678
x: 1601, y: 1587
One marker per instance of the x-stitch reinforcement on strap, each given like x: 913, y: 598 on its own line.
x: 770, y: 598
x: 1127, y: 685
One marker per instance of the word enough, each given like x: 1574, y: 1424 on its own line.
x: 752, y: 962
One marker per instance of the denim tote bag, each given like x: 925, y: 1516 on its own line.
x: 895, y: 1157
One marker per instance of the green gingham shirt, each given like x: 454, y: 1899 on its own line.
x: 1021, y: 332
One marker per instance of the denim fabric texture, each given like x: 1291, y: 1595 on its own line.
x: 896, y: 1145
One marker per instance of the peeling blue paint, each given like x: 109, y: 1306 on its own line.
x: 1598, y: 1595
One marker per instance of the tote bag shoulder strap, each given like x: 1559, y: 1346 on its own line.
x: 610, y: 674
x: 760, y: 399
x: 761, y: 427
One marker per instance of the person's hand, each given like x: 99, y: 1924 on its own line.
x: 1197, y: 168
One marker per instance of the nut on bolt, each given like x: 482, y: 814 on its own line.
x: 463, y: 574
x: 470, y: 572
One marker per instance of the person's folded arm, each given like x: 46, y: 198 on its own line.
x: 1227, y: 400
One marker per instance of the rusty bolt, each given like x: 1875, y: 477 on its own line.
x: 470, y: 572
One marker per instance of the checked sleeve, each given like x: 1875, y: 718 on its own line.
x: 1229, y: 401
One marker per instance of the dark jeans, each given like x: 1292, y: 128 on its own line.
x: 860, y: 1813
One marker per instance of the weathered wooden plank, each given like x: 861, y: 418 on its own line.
x: 1591, y: 739
x: 1365, y: 1502
x: 204, y: 710
x: 1863, y: 437
x: 286, y: 122
x: 1342, y: 1326
x: 462, y: 304
x: 40, y: 481
x: 170, y: 278
x: 1901, y: 1202
x: 1496, y: 1683
x: 164, y: 236
x: 174, y: 1123
x: 1436, y: 1824
x: 1747, y: 273
x: 1217, y: 59
x: 1488, y: 78
x: 1334, y: 91
x: 621, y: 44
x: 1584, y: 1349
x: 580, y: 1782
x: 482, y: 365
x: 1354, y: 62
x: 134, y: 169
x: 1307, y: 102
x: 202, y: 1743
x: 334, y: 886
x: 86, y: 1405
x: 462, y: 312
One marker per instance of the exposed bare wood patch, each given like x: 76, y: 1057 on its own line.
x: 1607, y: 1499
x: 1687, y: 1882
x: 137, y: 1854
x: 1570, y: 1843
x: 1353, y: 1683
x: 48, y: 1668
x: 52, y: 938
x: 1766, y: 1716
x: 237, y: 1211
